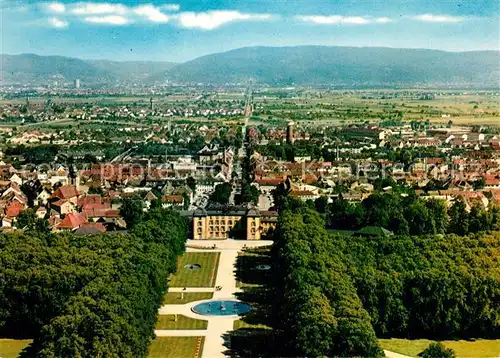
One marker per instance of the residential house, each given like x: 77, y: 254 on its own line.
x: 72, y: 221
x: 64, y: 199
x: 44, y: 197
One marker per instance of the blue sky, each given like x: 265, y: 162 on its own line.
x: 182, y: 30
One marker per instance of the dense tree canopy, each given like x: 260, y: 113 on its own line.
x: 132, y: 211
x: 221, y: 194
x: 409, y: 214
x: 26, y: 219
x: 436, y: 286
x: 92, y: 296
x: 335, y: 293
x: 321, y: 315
x: 249, y: 194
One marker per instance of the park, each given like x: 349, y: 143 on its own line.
x: 205, y: 278
x: 239, y: 298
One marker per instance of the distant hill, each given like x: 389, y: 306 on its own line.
x: 341, y: 65
x: 300, y: 65
x: 33, y: 68
x: 40, y: 69
x: 136, y: 70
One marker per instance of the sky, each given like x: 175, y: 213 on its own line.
x: 181, y: 30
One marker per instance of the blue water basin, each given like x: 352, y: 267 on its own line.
x: 222, y: 308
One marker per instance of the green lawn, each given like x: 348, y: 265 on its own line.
x: 242, y: 324
x: 10, y: 348
x: 174, y: 298
x: 247, y: 276
x: 477, y: 349
x: 175, y: 347
x: 183, y: 322
x: 204, y: 277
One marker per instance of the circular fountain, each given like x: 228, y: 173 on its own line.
x: 222, y: 308
x: 192, y: 267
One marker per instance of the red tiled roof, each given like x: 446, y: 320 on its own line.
x: 492, y: 181
x: 72, y: 221
x: 490, y: 176
x: 13, y: 209
x: 113, y: 170
x: 102, y: 212
x: 59, y: 202
x: 96, y: 206
x: 309, y: 178
x: 65, y: 192
x: 91, y: 199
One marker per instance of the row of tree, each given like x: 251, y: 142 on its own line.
x: 319, y: 310
x: 335, y: 294
x: 249, y: 193
x: 410, y: 215
x: 89, y: 296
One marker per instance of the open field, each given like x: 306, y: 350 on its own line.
x: 10, y: 348
x: 487, y: 121
x: 477, y: 349
x: 103, y: 123
x: 102, y: 100
x: 231, y: 96
x: 176, y: 347
x: 337, y: 108
x: 66, y: 122
x: 183, y: 322
x: 309, y: 107
x: 204, y: 277
x: 174, y: 298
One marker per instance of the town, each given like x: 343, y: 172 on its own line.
x: 219, y: 190
x: 211, y: 179
x: 76, y: 164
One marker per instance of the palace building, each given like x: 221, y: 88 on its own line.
x: 237, y: 222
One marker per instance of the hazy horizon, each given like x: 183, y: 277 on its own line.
x: 178, y: 31
x: 146, y: 59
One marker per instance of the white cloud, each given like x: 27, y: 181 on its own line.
x: 151, y: 13
x: 99, y: 9
x: 58, y: 23
x: 122, y: 14
x: 56, y: 7
x: 339, y: 19
x: 170, y: 7
x: 212, y: 19
x: 107, y: 20
x: 383, y: 20
x: 438, y: 18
